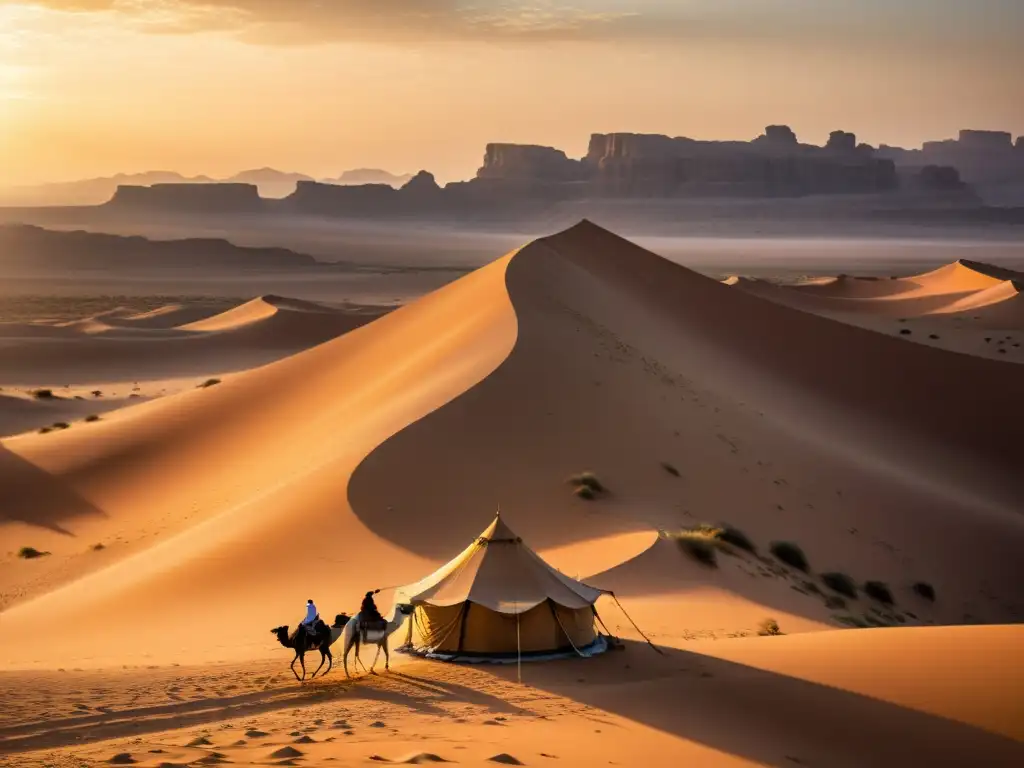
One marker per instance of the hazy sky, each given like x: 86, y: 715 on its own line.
x: 93, y: 87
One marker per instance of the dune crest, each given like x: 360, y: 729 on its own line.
x: 374, y: 456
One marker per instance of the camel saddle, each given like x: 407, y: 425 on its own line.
x: 372, y: 625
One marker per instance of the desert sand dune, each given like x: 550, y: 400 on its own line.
x: 600, y: 356
x: 961, y: 307
x: 103, y: 349
x: 367, y: 460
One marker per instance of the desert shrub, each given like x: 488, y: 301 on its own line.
x: 670, y: 469
x: 209, y: 383
x: 878, y: 590
x: 835, y: 602
x: 97, y: 393
x: 43, y: 394
x: 698, y: 543
x: 736, y: 537
x: 904, y: 331
x: 933, y: 335
x: 588, y: 479
x: 61, y: 425
x: 925, y: 590
x: 769, y: 627
x: 30, y: 553
x: 841, y: 583
x: 790, y: 554
x: 98, y: 547
x: 44, y: 430
x: 93, y: 417
x: 701, y: 550
x: 585, y: 492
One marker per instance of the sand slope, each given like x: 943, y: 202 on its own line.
x: 965, y: 306
x: 365, y: 460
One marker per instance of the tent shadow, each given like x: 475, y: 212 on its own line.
x: 764, y: 716
x: 34, y: 497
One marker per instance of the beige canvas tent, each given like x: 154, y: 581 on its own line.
x: 498, y: 600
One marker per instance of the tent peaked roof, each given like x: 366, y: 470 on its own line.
x: 500, y: 572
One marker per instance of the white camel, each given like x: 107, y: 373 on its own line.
x: 353, y: 635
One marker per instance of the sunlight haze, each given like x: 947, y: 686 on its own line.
x: 96, y: 87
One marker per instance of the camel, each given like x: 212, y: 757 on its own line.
x: 321, y: 639
x: 354, y: 634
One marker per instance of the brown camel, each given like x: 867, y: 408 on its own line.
x: 321, y: 638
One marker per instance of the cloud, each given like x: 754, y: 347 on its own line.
x: 870, y: 24
x: 315, y: 21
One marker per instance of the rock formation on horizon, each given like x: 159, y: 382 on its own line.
x: 190, y: 198
x: 357, y: 176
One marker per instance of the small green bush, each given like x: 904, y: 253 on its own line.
x: 878, y: 590
x: 30, y: 553
x: 841, y: 583
x: 925, y: 590
x: 790, y: 554
x: 769, y: 627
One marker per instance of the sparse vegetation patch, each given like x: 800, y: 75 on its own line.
x: 790, y: 554
x: 769, y: 627
x: 841, y: 583
x: 698, y: 543
x: 925, y: 590
x: 878, y: 590
x: 30, y: 553
x: 736, y: 538
x: 209, y: 383
x: 587, y: 486
x: 43, y: 394
x: 93, y: 417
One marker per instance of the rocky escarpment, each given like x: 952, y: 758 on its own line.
x: 527, y: 162
x: 190, y: 198
x: 981, y: 157
x: 30, y: 250
x: 774, y: 164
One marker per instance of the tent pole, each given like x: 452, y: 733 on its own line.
x: 519, y: 654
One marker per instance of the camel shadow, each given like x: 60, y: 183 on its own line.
x: 766, y: 717
x: 138, y: 721
x: 34, y: 497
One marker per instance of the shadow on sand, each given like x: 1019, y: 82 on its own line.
x: 764, y: 716
x: 35, y: 497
